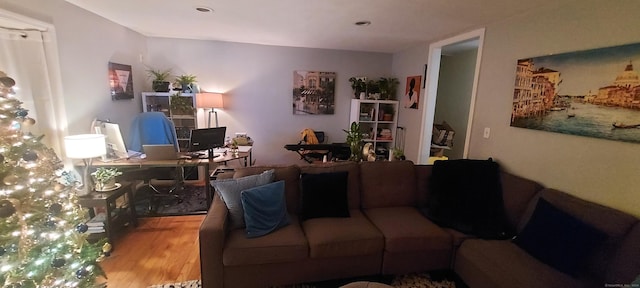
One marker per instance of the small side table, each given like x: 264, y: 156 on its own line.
x: 118, y: 212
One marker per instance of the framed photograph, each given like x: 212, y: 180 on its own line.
x: 411, y: 96
x: 314, y: 92
x: 120, y: 81
x: 592, y: 93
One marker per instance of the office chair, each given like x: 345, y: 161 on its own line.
x: 154, y: 128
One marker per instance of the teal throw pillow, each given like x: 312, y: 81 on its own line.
x: 230, y: 189
x: 265, y: 209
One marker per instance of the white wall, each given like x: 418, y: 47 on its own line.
x: 603, y: 171
x: 86, y: 44
x: 455, y: 86
x: 257, y: 81
x: 407, y: 63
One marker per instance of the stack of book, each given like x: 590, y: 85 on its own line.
x: 96, y: 224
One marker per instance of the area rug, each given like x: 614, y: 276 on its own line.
x: 190, y: 200
x: 415, y: 280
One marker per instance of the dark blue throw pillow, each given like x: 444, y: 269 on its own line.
x: 559, y: 239
x: 324, y: 195
x: 265, y: 209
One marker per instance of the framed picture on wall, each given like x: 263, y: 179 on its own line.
x: 120, y: 81
x: 411, y: 96
x: 314, y: 92
x: 593, y: 93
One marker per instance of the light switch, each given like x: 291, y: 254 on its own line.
x: 487, y: 132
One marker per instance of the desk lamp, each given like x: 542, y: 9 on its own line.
x: 210, y: 101
x: 85, y: 147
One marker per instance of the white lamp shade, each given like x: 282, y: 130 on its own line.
x: 209, y: 100
x: 85, y: 146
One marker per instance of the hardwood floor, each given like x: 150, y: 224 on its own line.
x: 160, y: 250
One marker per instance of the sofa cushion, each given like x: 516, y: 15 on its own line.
x: 287, y: 244
x: 265, y: 209
x: 388, y: 184
x: 341, y: 237
x: 517, y: 192
x: 502, y: 264
x: 559, y: 239
x: 230, y: 189
x: 405, y: 229
x: 291, y: 176
x: 324, y: 195
x: 353, y: 181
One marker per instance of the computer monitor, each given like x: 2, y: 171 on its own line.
x: 115, y: 144
x: 207, y: 139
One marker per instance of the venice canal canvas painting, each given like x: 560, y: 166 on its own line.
x: 593, y: 93
x: 314, y: 92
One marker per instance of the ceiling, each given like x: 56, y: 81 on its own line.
x: 395, y: 24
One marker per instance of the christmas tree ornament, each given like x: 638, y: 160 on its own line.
x: 82, y: 228
x: 22, y: 112
x: 82, y: 273
x: 6, y: 209
x: 30, y: 156
x: 11, y: 180
x: 28, y: 121
x: 58, y: 262
x: 55, y: 208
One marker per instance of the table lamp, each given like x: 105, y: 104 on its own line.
x: 85, y: 147
x: 210, y: 101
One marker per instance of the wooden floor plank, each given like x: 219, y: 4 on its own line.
x: 160, y: 250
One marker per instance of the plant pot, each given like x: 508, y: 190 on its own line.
x: 160, y: 86
x: 106, y: 186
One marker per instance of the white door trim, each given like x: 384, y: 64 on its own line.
x: 431, y: 91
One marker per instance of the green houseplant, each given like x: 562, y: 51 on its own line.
x: 160, y: 82
x: 185, y: 81
x: 354, y: 139
x: 181, y: 104
x: 358, y: 85
x: 388, y: 87
x: 105, y: 178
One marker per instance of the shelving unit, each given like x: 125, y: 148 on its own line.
x: 378, y: 128
x: 183, y: 121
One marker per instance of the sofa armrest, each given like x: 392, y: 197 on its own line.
x: 212, y: 236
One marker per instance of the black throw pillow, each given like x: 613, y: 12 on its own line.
x: 466, y: 195
x: 324, y: 195
x: 558, y: 239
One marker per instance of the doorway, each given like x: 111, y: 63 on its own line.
x: 455, y: 105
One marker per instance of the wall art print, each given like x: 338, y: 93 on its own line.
x: 412, y: 92
x: 593, y: 93
x: 120, y: 81
x: 314, y: 92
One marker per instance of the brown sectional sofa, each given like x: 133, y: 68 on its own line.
x: 387, y: 234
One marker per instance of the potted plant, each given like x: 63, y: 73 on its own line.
x: 388, y: 87
x: 185, y: 82
x: 359, y: 86
x: 181, y: 104
x: 160, y: 81
x: 398, y: 154
x: 105, y: 178
x: 354, y: 139
x: 373, y: 89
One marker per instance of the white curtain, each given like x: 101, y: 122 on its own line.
x: 23, y: 57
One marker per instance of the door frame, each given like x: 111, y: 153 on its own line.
x: 431, y: 91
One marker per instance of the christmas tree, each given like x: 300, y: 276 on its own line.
x: 43, y: 239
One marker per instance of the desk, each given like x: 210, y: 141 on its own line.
x: 196, y: 162
x: 108, y: 200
